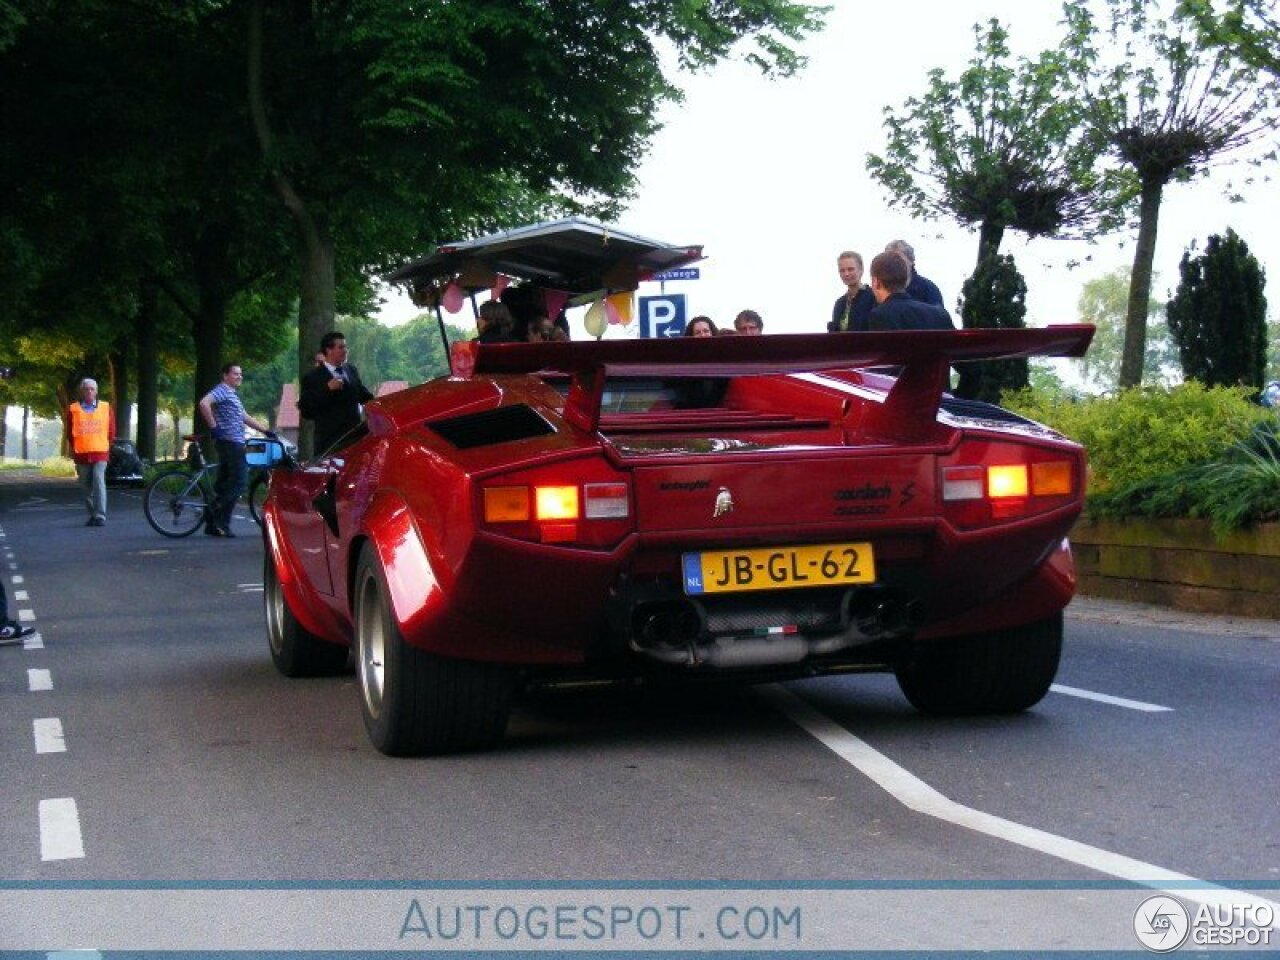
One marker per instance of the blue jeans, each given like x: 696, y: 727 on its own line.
x: 233, y: 477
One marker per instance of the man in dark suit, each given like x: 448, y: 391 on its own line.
x: 332, y: 393
x: 918, y: 287
x: 894, y: 310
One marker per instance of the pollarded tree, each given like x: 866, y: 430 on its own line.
x: 995, y: 297
x: 1000, y: 148
x: 1166, y: 109
x: 1218, y: 317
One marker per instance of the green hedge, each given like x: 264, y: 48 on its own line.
x: 1139, y: 435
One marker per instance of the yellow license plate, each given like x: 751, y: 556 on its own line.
x: 779, y: 568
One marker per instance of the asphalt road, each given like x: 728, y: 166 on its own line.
x: 150, y: 703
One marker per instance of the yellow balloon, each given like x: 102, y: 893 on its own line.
x: 596, y: 319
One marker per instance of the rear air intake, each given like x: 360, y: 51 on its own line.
x: 503, y: 425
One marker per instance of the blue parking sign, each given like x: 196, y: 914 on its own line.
x: 662, y: 316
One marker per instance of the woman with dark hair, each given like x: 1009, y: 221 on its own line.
x: 494, y: 323
x: 700, y: 327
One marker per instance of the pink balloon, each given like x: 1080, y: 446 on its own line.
x: 453, y: 296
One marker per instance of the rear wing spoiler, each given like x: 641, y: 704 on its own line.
x: 925, y: 357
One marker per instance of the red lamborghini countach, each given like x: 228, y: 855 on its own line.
x: 749, y: 507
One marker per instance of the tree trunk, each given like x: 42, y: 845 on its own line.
x: 1135, y: 324
x: 316, y: 311
x: 209, y: 325
x: 26, y: 428
x: 121, y: 401
x: 990, y: 234
x: 144, y: 334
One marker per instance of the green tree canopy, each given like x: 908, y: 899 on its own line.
x: 1104, y: 303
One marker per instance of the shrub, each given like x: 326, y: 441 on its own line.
x: 1219, y: 315
x: 1240, y: 487
x: 1139, y: 434
x: 994, y: 297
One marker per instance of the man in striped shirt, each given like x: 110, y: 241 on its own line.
x: 226, y: 417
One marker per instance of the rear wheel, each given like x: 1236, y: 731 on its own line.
x: 175, y: 503
x: 414, y: 702
x: 1004, y: 671
x: 295, y: 651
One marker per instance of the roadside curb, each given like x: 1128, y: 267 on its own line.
x: 1100, y: 610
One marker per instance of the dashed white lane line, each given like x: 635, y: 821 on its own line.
x: 60, y: 837
x: 33, y: 642
x: 1107, y: 698
x: 17, y: 578
x: 39, y: 680
x: 21, y: 595
x: 48, y: 735
x: 26, y: 615
x: 915, y: 794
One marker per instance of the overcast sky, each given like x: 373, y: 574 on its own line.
x: 770, y: 177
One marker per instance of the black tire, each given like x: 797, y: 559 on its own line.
x: 257, y: 496
x: 1004, y: 671
x: 175, y: 503
x: 295, y: 651
x: 414, y: 702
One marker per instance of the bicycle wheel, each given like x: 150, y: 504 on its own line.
x: 258, y: 494
x: 175, y: 503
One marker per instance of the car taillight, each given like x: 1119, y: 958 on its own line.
x: 974, y: 494
x: 586, y: 513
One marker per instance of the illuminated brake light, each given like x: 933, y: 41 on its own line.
x: 506, y: 504
x: 1051, y: 478
x: 556, y: 503
x: 606, y: 501
x: 1007, y: 481
x: 963, y: 483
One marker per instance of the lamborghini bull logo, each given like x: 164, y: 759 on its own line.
x: 724, y: 503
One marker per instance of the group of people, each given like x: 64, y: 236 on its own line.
x: 898, y: 298
x: 498, y: 323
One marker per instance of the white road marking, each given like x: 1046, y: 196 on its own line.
x: 26, y: 614
x: 13, y: 566
x: 20, y: 595
x: 48, y: 735
x: 39, y: 680
x: 33, y: 642
x: 17, y: 578
x: 915, y: 794
x: 60, y: 830
x: 1107, y: 698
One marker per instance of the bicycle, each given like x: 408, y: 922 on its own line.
x: 177, y: 499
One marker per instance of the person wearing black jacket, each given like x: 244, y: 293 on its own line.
x: 332, y: 393
x: 894, y: 310
x: 850, y: 311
